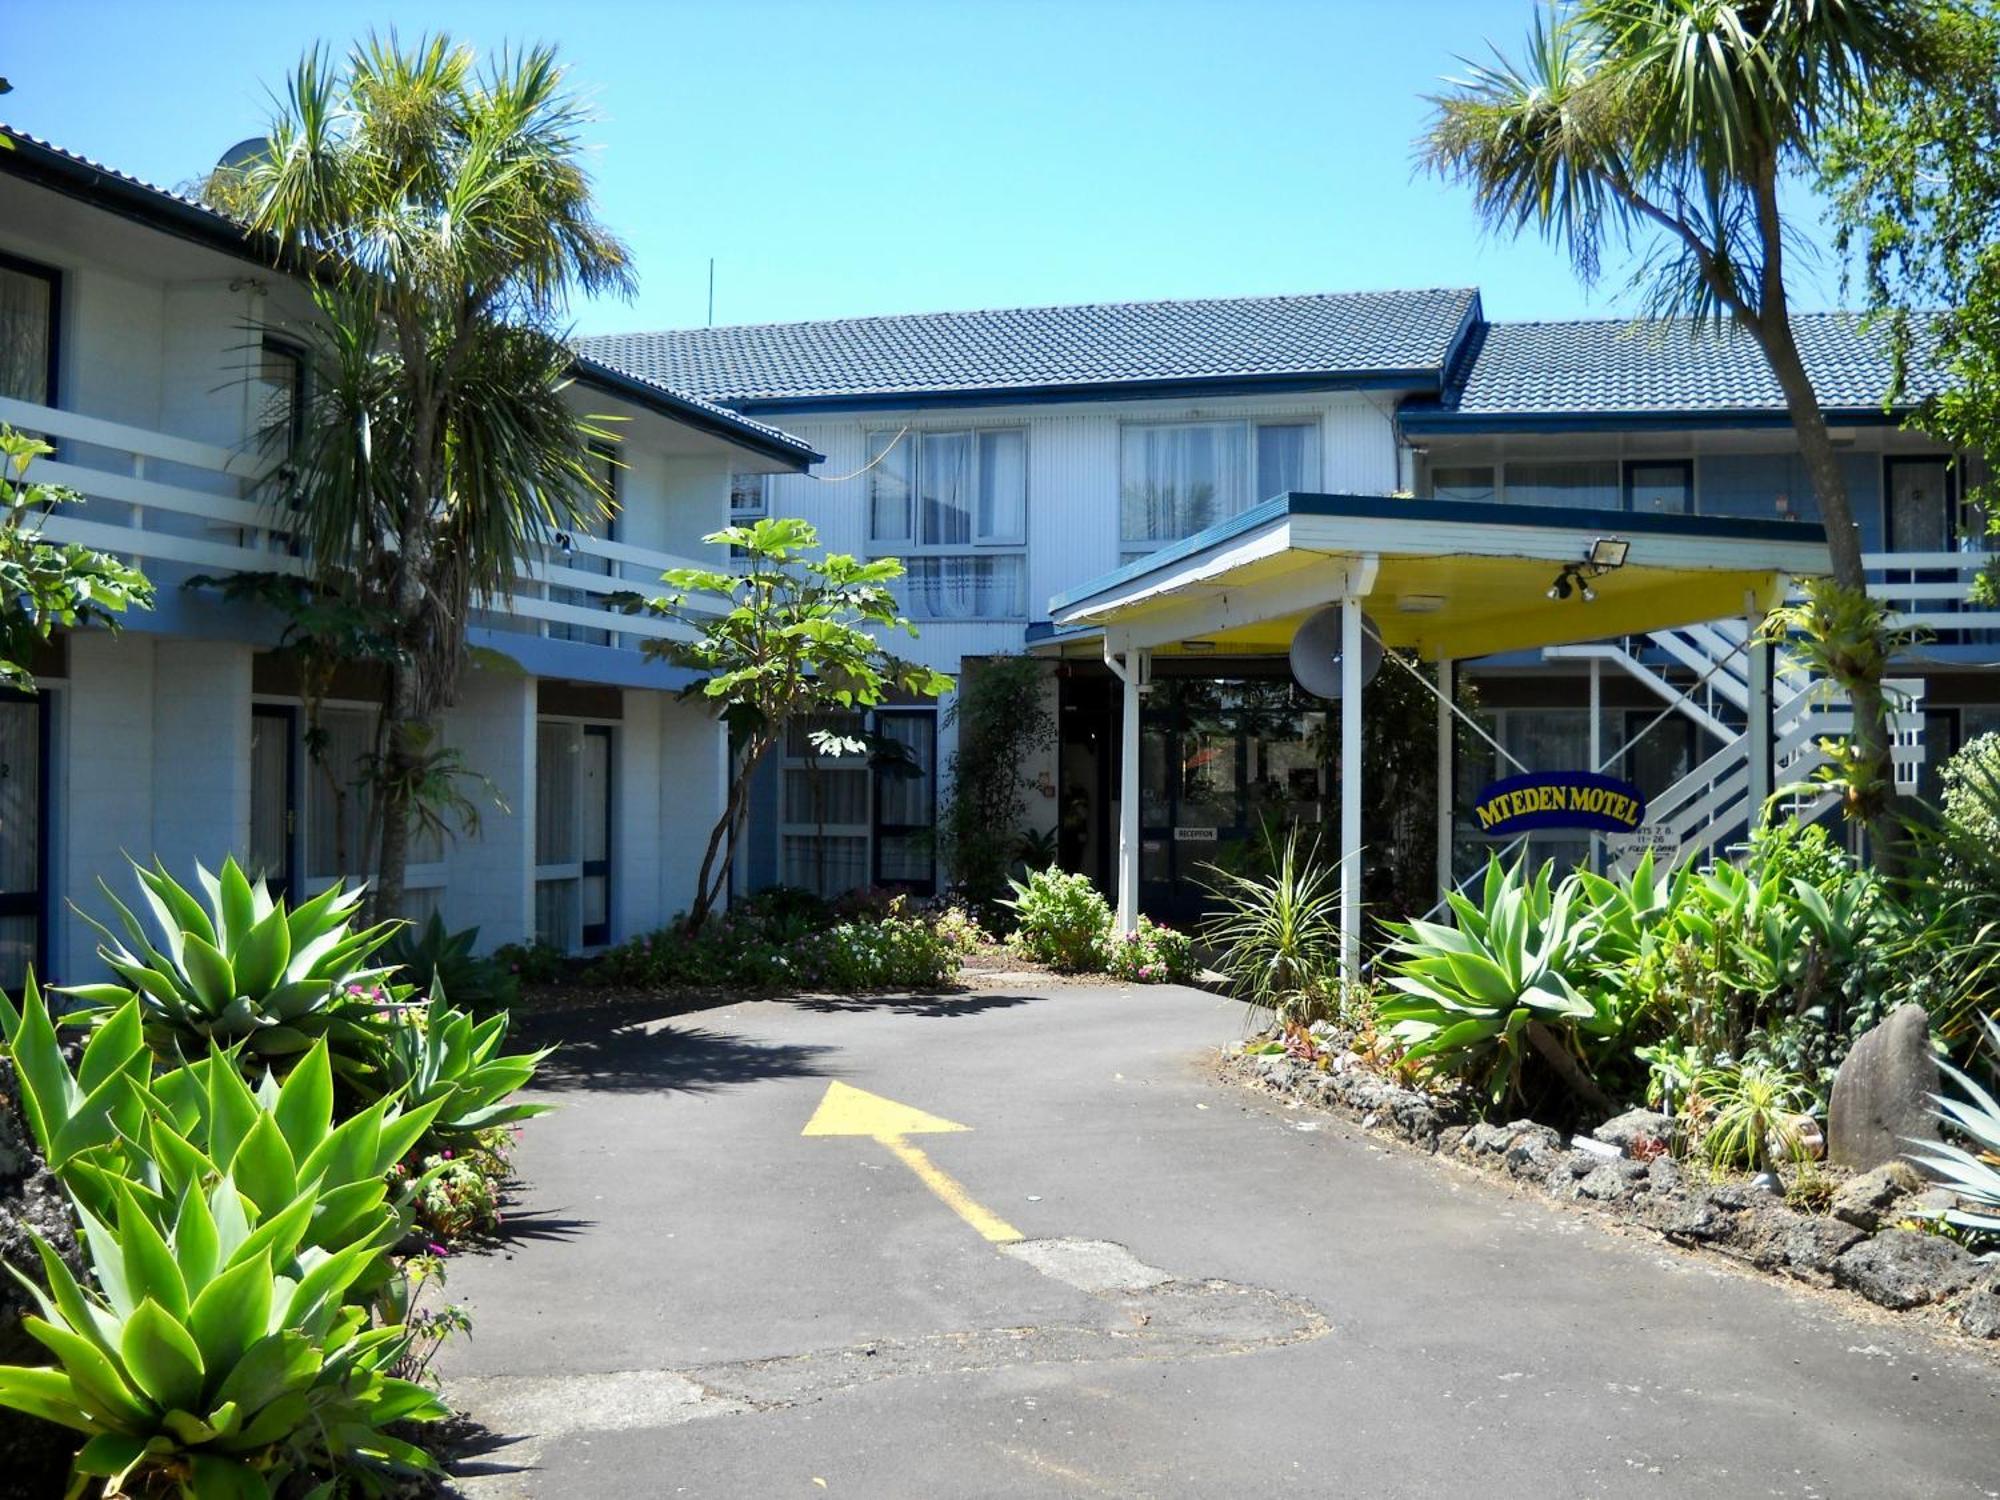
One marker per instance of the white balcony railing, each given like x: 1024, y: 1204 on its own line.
x: 1931, y: 590
x: 177, y: 508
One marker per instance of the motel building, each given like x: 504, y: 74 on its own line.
x: 1571, y: 526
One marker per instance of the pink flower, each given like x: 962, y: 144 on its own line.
x: 436, y: 1249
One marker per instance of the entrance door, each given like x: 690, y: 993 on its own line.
x: 274, y: 811
x: 24, y: 837
x: 1917, y: 501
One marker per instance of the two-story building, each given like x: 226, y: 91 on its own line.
x: 1008, y: 456
x: 153, y: 344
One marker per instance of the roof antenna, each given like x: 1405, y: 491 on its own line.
x: 711, y: 291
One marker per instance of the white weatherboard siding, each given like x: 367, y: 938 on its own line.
x: 106, y: 785
x: 1073, y: 513
x: 691, y: 777
x: 201, y: 753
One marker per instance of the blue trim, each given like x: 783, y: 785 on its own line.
x: 1423, y: 379
x: 578, y: 661
x: 1446, y: 513
x: 1423, y: 420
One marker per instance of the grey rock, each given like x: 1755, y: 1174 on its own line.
x: 1451, y: 1138
x: 1486, y: 1139
x: 1415, y: 1118
x: 1696, y: 1218
x: 1577, y: 1164
x: 1635, y: 1125
x: 1606, y: 1184
x: 1813, y: 1244
x: 1733, y: 1196
x: 1532, y: 1150
x: 1902, y: 1268
x: 1882, y: 1095
x: 1979, y: 1310
x: 1865, y: 1200
x: 1663, y: 1175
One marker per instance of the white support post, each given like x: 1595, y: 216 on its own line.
x: 1447, y: 772
x: 1596, y: 750
x: 1130, y: 670
x: 1758, y: 742
x: 1350, y: 786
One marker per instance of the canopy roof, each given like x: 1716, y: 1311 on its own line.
x: 1440, y: 578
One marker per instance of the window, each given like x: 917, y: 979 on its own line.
x: 864, y: 816
x: 1179, y: 478
x: 30, y: 298
x: 954, y: 506
x: 747, y: 499
x: 337, y: 805
x: 1661, y: 487
x: 277, y: 397
x: 1463, y: 482
x: 1591, y: 485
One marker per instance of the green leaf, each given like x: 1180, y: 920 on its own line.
x: 237, y: 905
x: 305, y: 1104
x: 150, y: 1270
x: 232, y: 1313
x: 161, y: 1356
x: 44, y: 1393
x: 209, y: 972
x: 262, y: 954
x: 264, y: 1168
x: 94, y: 1378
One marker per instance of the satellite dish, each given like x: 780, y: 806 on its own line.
x: 1316, y: 652
x: 244, y: 154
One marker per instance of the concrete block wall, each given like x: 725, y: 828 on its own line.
x: 692, y: 781
x: 638, y: 791
x: 201, y: 753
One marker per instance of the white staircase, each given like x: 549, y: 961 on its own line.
x: 1709, y: 808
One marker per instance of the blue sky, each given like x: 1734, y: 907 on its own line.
x: 875, y: 156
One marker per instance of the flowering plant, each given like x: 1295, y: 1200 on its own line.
x: 1152, y: 955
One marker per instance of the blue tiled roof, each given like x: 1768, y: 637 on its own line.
x: 1330, y: 337
x: 1612, y: 368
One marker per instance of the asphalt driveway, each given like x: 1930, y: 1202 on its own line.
x: 1123, y: 1278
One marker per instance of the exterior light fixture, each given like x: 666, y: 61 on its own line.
x: 1197, y: 645
x: 1560, y: 589
x: 1608, y: 552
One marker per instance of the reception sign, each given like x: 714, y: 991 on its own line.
x: 1559, y: 799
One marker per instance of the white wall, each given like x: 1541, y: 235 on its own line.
x: 490, y: 877
x: 201, y: 753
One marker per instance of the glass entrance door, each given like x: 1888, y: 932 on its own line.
x: 274, y: 797
x: 24, y: 837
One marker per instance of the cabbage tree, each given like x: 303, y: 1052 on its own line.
x: 1670, y: 127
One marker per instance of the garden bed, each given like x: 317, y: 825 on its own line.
x: 1861, y: 1243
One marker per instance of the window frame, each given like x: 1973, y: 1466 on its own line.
x: 1628, y: 488
x: 1130, y: 547
x: 912, y: 548
x: 53, y: 276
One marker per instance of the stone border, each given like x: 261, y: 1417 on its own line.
x: 1855, y: 1248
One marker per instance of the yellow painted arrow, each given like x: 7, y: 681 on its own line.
x: 846, y: 1110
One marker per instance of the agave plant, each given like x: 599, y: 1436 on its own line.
x: 240, y: 969
x: 448, y: 1067
x: 1973, y: 1172
x: 203, y: 1371
x: 1515, y: 976
x: 111, y: 1128
x: 431, y: 955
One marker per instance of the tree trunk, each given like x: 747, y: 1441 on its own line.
x: 1843, y: 545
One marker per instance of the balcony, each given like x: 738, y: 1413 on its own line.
x: 177, y: 508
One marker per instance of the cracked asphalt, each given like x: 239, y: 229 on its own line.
x: 1216, y: 1296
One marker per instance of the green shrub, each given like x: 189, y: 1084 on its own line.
x: 1152, y: 955
x: 459, y: 1188
x: 782, y: 942
x: 1277, y: 936
x: 538, y: 962
x: 202, y: 1369
x: 241, y: 969
x: 1739, y: 1112
x: 1061, y: 920
x: 1511, y: 999
x: 428, y: 957
x: 1003, y: 719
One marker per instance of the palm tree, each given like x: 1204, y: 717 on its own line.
x: 446, y: 211
x: 1670, y: 124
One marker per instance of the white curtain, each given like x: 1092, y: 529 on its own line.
x: 889, y: 487
x: 1180, y: 480
x: 1003, y: 485
x: 944, y: 476
x: 24, y: 337
x: 558, y: 778
x: 965, y: 588
x: 1285, y: 460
